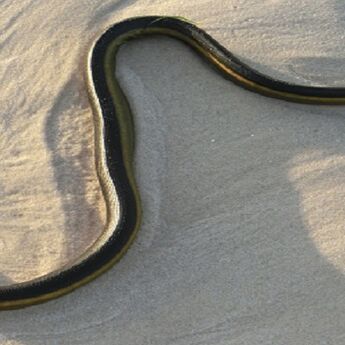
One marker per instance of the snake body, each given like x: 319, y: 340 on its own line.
x: 114, y: 145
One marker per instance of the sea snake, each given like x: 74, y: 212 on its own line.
x: 114, y: 144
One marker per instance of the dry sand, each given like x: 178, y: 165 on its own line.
x: 243, y: 236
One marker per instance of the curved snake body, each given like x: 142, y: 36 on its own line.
x: 114, y: 145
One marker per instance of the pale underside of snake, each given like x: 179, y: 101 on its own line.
x: 114, y: 145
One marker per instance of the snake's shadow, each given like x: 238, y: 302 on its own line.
x: 5, y: 280
x: 69, y: 132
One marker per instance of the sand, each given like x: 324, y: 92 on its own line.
x: 242, y: 241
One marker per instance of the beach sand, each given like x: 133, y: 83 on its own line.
x: 242, y: 239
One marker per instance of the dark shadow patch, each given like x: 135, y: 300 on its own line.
x: 108, y: 10
x: 73, y: 167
